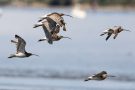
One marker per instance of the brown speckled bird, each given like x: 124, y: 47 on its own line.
x: 115, y: 30
x: 57, y: 17
x: 99, y: 76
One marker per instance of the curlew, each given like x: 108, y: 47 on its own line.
x: 49, y: 29
x: 99, y: 76
x: 115, y: 30
x: 55, y: 37
x: 57, y: 17
x: 20, y: 45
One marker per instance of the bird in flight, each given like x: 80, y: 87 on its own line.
x: 99, y: 76
x: 20, y: 48
x: 115, y: 30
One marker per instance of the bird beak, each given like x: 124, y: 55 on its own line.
x: 126, y: 30
x: 35, y: 55
x: 68, y: 15
x: 41, y: 40
x: 67, y: 37
x: 111, y: 76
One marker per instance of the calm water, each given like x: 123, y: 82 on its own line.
x: 65, y: 64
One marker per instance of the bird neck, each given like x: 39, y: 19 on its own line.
x: 28, y: 54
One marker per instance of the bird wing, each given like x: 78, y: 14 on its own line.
x: 51, y: 24
x: 20, y: 44
x: 99, y: 74
x: 115, y: 35
x: 109, y: 34
x: 47, y: 34
x: 103, y: 33
x: 57, y: 19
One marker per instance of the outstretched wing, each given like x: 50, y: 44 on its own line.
x: 51, y: 24
x: 57, y: 18
x: 47, y: 34
x: 20, y: 44
x: 109, y: 34
x: 115, y: 36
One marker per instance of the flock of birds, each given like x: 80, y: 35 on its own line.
x: 51, y: 24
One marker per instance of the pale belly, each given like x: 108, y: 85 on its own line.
x: 21, y: 55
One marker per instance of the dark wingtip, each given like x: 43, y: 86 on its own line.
x: 39, y: 40
x: 12, y: 40
x: 9, y: 57
x: 34, y: 26
x: 86, y: 80
x: 16, y: 35
x: 39, y: 20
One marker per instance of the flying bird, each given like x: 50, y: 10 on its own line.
x: 48, y: 29
x: 57, y: 17
x: 115, y: 30
x: 20, y: 48
x: 55, y: 37
x: 99, y: 76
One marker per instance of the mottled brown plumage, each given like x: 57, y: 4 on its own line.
x: 57, y: 17
x: 115, y: 30
x: 99, y: 76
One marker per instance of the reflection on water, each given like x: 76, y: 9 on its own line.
x: 65, y: 64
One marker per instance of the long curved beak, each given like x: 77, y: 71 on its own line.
x: 68, y: 15
x: 41, y: 40
x: 35, y: 55
x: 111, y: 76
x: 126, y: 30
x: 67, y: 37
